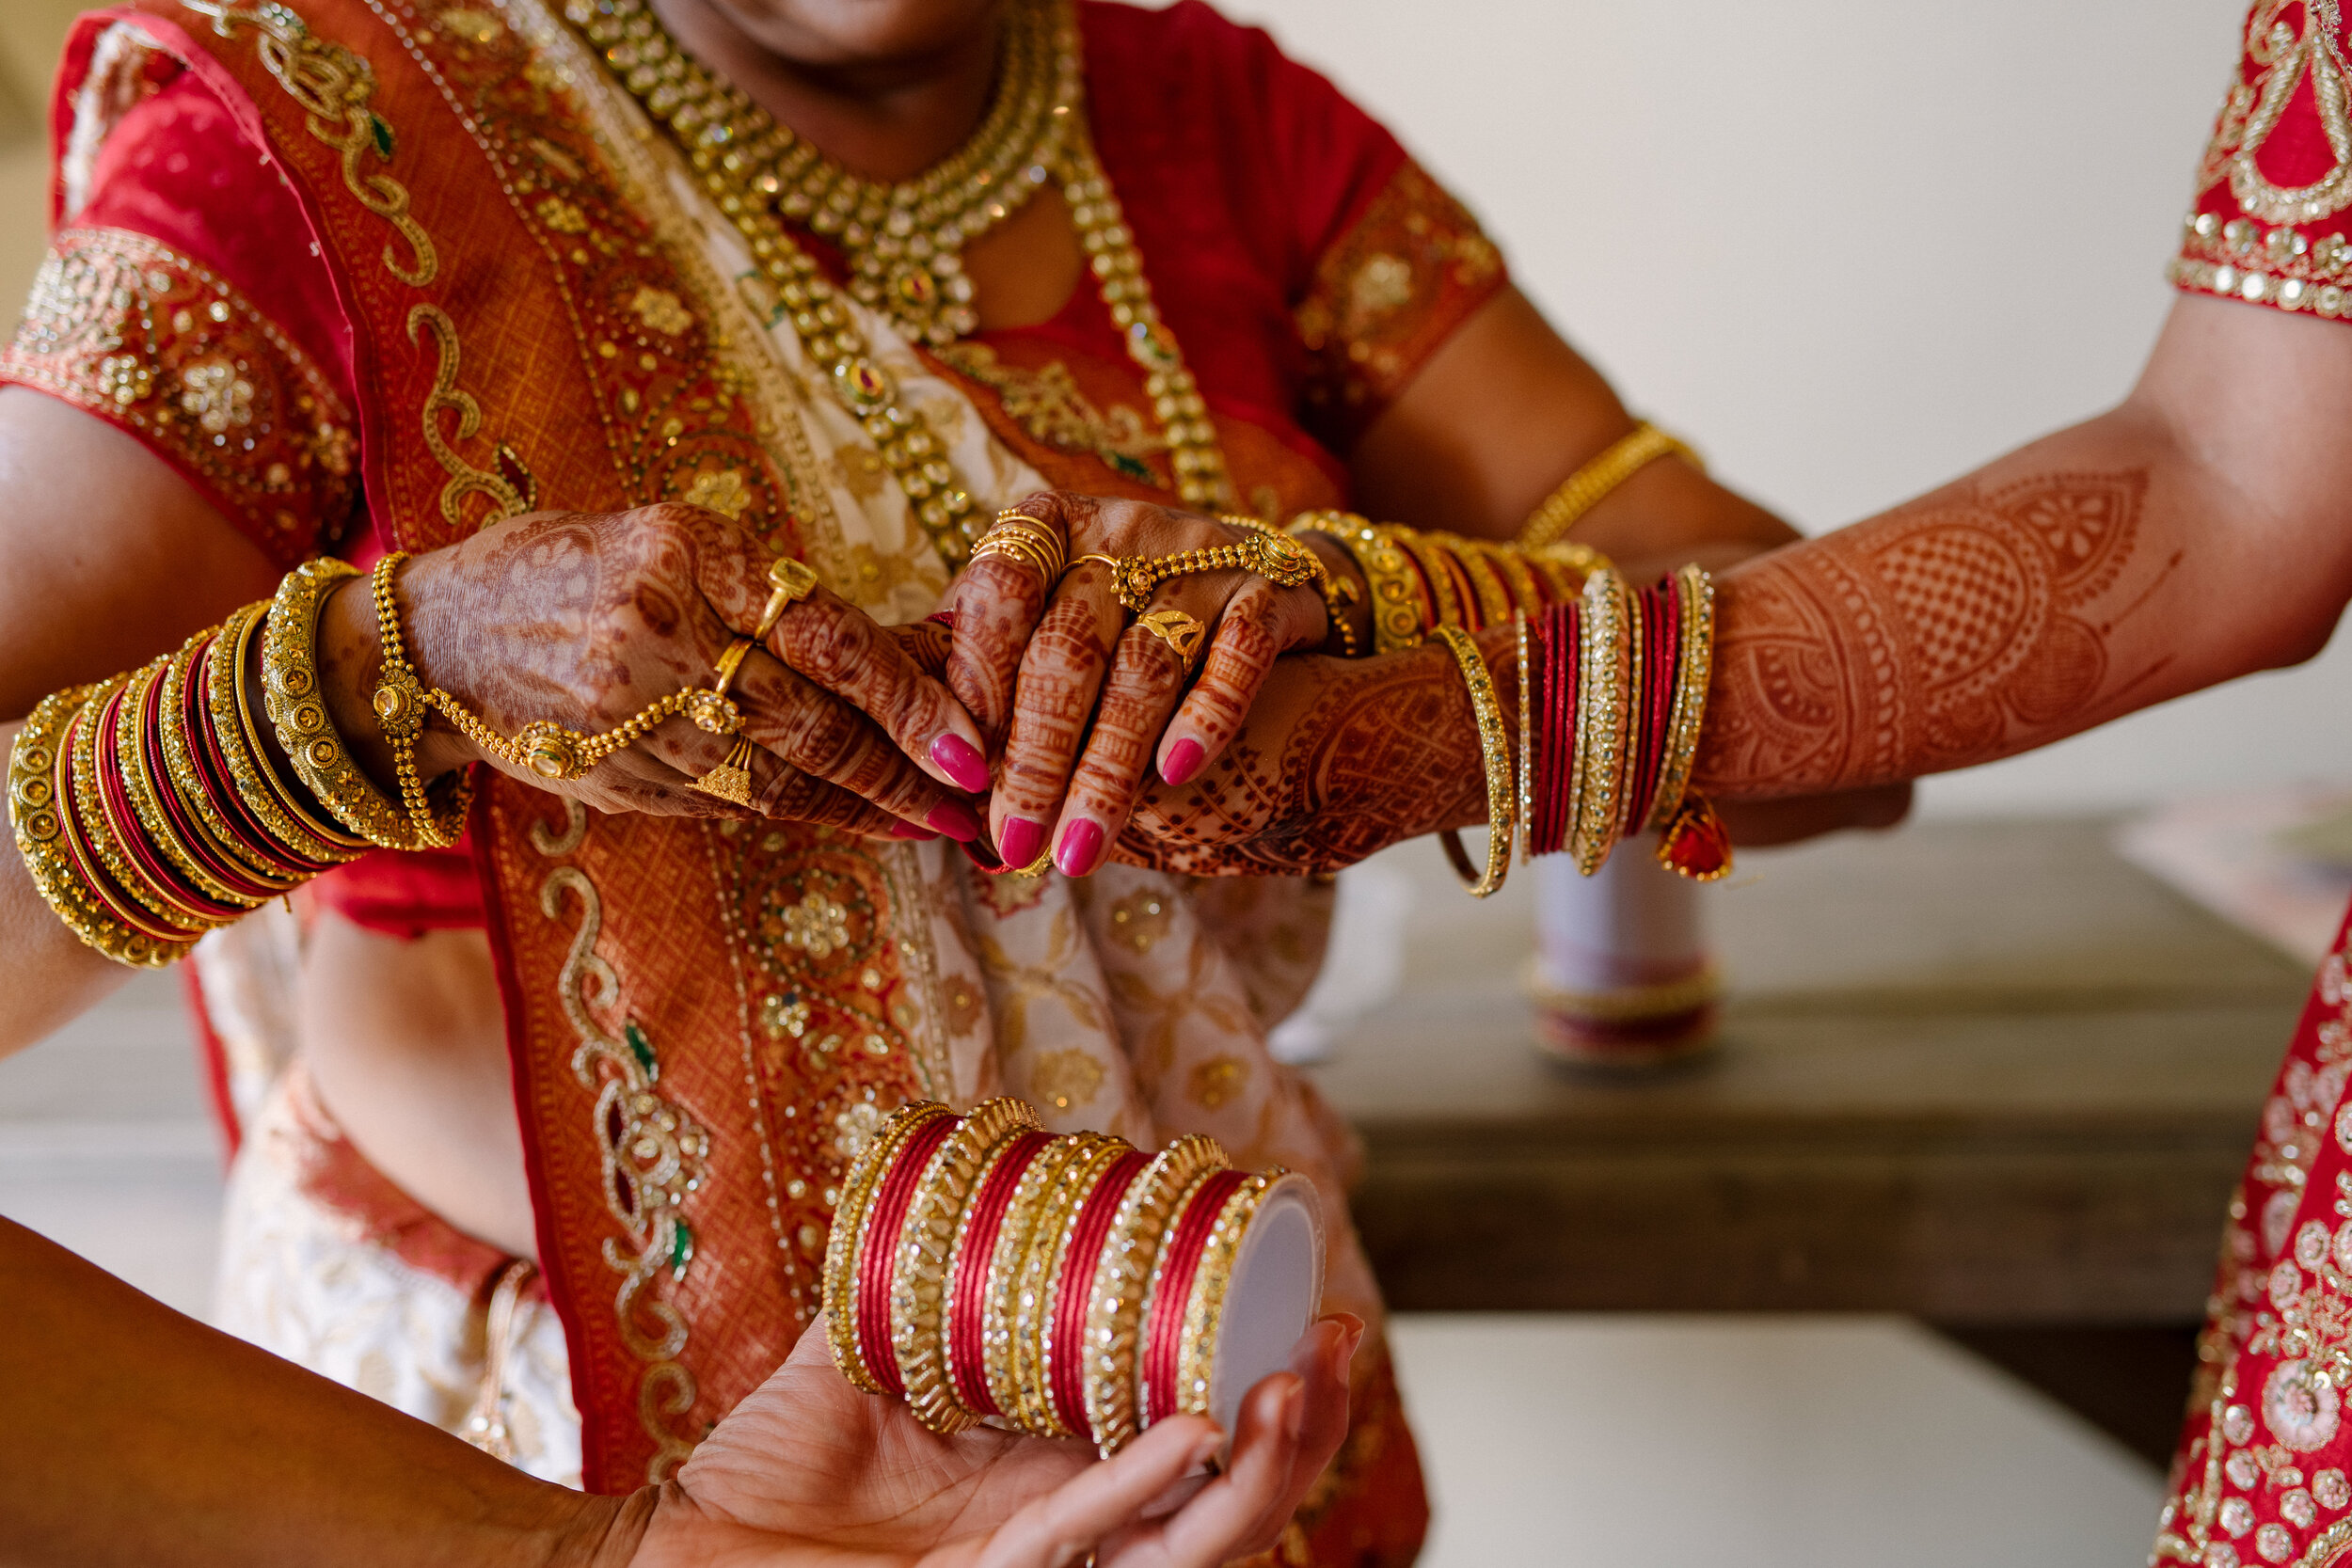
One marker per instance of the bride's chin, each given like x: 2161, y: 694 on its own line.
x: 845, y: 32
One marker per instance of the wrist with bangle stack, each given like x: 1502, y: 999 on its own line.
x: 150, y: 811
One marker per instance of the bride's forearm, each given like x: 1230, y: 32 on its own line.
x: 52, y: 977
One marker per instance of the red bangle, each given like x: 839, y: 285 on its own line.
x: 1065, y: 1347
x: 1164, y: 1328
x: 203, y: 845
x: 181, y: 900
x: 976, y: 1247
x: 881, y: 1256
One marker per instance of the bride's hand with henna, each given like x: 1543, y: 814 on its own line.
x: 1035, y: 661
x: 585, y: 619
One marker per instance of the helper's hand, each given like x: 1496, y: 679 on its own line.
x: 809, y: 1470
x: 1035, y: 661
x: 584, y: 619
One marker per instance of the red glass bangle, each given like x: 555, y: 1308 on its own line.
x: 171, y: 887
x: 1660, y: 615
x: 220, y: 862
x: 103, y: 888
x: 967, y: 1369
x: 1163, y: 1335
x: 884, y: 1222
x: 254, y: 838
x: 1065, y: 1349
x: 1555, y: 778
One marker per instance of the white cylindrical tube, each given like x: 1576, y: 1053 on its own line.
x: 1621, y: 976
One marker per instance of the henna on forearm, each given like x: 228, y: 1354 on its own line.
x: 1975, y: 622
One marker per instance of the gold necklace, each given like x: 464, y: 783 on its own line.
x: 640, y: 53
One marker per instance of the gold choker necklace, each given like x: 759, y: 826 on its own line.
x: 756, y: 197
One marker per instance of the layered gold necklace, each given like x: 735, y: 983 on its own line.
x: 903, y: 242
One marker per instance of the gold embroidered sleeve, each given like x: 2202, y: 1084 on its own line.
x: 1386, y: 294
x: 148, y: 341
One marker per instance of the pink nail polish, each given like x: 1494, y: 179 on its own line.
x: 956, y: 819
x: 961, y: 761
x: 1184, y: 761
x: 914, y: 831
x: 1020, y: 840
x: 1081, y: 847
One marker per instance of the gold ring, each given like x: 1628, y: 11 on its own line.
x: 793, y: 581
x: 1046, y: 557
x: 1181, y: 632
x: 729, y: 662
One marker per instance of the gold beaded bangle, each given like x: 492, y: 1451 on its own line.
x: 257, y: 783
x: 1510, y: 562
x: 1636, y: 673
x: 400, y: 711
x: 1602, y: 696
x: 919, y: 1283
x: 1585, y: 489
x: 1396, y: 613
x: 38, y: 809
x: 1494, y: 745
x: 1004, y: 1361
x: 1566, y: 565
x: 151, y: 908
x: 1034, y: 1350
x: 143, y: 790
x: 1116, y: 1299
x: 1694, y: 669
x: 292, y: 696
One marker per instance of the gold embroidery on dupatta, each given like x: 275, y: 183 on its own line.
x: 334, y: 85
x: 1048, y: 403
x: 506, y: 500
x: 655, y: 1154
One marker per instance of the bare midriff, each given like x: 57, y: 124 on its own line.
x: 407, y: 1048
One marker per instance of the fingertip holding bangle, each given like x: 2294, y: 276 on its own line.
x: 1020, y: 840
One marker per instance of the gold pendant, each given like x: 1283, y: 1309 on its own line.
x: 731, y: 780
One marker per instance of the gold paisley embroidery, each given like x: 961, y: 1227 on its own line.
x: 506, y: 498
x: 655, y: 1156
x: 1064, y: 1079
x: 334, y: 87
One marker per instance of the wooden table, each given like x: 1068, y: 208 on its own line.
x: 1979, y: 1072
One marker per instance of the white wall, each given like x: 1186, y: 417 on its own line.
x: 1851, y: 248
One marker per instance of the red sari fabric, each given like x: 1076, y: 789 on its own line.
x: 1307, y: 268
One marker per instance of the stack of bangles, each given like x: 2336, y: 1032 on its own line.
x: 986, y: 1271
x: 150, y: 811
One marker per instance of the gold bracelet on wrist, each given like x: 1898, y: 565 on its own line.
x: 1494, y: 745
x: 1493, y: 595
x: 1603, y: 695
x: 1397, y: 616
x: 400, y: 713
x: 1444, y: 603
x: 1585, y: 489
x: 296, y: 704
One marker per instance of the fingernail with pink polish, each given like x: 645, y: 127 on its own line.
x: 1020, y: 840
x: 956, y: 819
x: 1081, y: 847
x: 961, y: 761
x: 1184, y: 761
x: 914, y: 831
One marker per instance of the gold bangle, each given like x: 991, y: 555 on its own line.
x: 38, y: 812
x: 186, y: 780
x: 1602, y: 695
x: 298, y: 707
x: 1510, y: 562
x: 1442, y: 598
x: 1197, y: 1343
x: 257, y: 782
x: 151, y: 908
x: 1584, y: 489
x: 1527, y: 741
x: 144, y: 790
x: 1396, y: 617
x: 1005, y: 1316
x: 1694, y: 669
x: 1114, y: 1303
x: 1034, y: 1351
x: 919, y: 1281
x: 1494, y: 595
x: 1494, y: 745
x: 400, y: 712
x: 1628, y: 817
